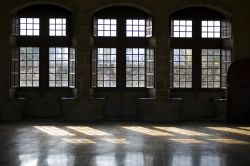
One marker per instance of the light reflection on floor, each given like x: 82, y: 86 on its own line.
x: 128, y: 145
x: 130, y: 159
x: 211, y: 160
x: 55, y: 131
x: 60, y: 160
x: 106, y: 160
x: 180, y: 159
x: 133, y: 158
x: 51, y: 160
x: 28, y: 159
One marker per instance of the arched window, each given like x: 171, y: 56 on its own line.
x: 122, y: 54
x: 201, y: 49
x: 42, y: 56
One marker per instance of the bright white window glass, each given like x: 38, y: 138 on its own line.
x: 106, y: 27
x: 135, y: 67
x: 57, y: 26
x: 181, y: 28
x: 211, y: 69
x: 29, y: 27
x: 181, y: 68
x: 58, y: 66
x: 136, y: 28
x: 106, y: 67
x: 29, y: 66
x: 210, y: 29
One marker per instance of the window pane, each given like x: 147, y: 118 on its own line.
x: 136, y: 28
x: 210, y: 68
x: 225, y: 63
x: 181, y: 28
x: 226, y: 29
x: 135, y: 67
x: 57, y: 26
x: 29, y: 27
x: 149, y: 68
x: 58, y: 66
x: 181, y: 68
x: 210, y: 29
x: 106, y: 67
x: 29, y: 66
x: 106, y: 27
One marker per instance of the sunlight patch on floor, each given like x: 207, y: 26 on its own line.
x: 182, y: 131
x: 231, y: 130
x: 244, y: 128
x: 88, y: 131
x: 188, y: 141
x: 228, y: 141
x: 54, y: 131
x: 147, y: 131
x: 116, y: 140
x: 78, y: 140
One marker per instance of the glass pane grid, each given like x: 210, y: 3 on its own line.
x: 58, y: 67
x: 149, y: 28
x: 135, y: 67
x: 106, y: 67
x: 136, y: 28
x: 226, y: 29
x: 225, y: 63
x: 182, y: 68
x: 149, y: 68
x: 15, y: 26
x: 15, y: 67
x: 57, y: 26
x: 210, y: 29
x: 181, y: 28
x: 210, y: 68
x: 29, y: 27
x: 29, y: 66
x: 72, y: 68
x: 106, y: 27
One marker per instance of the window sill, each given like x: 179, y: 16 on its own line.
x: 197, y: 90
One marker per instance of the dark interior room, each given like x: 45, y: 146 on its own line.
x: 124, y: 83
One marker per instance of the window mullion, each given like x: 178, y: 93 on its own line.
x: 121, y: 68
x: 196, y: 54
x: 44, y: 53
x: 121, y: 54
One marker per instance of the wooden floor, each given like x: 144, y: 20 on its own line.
x: 124, y: 144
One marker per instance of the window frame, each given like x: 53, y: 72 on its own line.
x: 179, y: 73
x: 203, y: 43
x: 121, y: 42
x: 26, y: 60
x: 103, y: 67
x: 44, y: 41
